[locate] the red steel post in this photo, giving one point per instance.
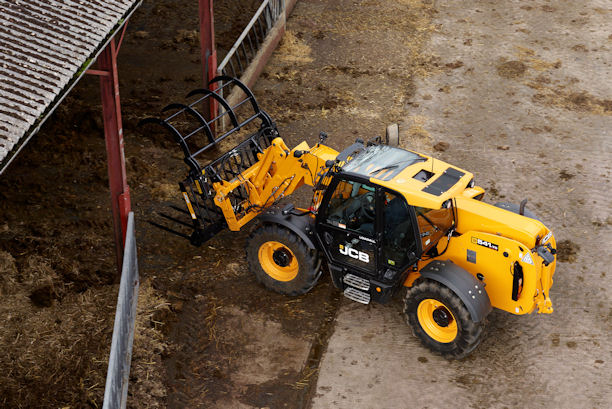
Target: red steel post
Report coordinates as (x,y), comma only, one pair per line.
(113,133)
(208,50)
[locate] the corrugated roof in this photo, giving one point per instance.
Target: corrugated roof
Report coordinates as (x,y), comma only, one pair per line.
(45,47)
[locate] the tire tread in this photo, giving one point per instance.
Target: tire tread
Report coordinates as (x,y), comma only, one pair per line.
(308,260)
(469,334)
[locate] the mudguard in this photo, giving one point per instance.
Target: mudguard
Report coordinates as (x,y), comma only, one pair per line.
(468,288)
(303,226)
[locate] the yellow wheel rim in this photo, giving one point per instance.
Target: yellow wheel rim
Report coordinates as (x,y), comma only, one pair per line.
(437,321)
(278,261)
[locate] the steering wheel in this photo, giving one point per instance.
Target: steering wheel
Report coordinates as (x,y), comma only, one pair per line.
(367,206)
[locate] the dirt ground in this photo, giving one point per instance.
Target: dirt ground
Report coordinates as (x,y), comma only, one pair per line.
(514,93)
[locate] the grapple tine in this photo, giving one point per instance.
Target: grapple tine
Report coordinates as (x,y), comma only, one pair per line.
(183,211)
(230,80)
(178,209)
(207,218)
(187,109)
(164,124)
(172,106)
(169,230)
(219,99)
(189,159)
(175,220)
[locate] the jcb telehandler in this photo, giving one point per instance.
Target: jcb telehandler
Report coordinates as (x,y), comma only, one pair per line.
(382,218)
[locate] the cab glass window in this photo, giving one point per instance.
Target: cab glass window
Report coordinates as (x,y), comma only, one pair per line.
(433,224)
(353,206)
(399,238)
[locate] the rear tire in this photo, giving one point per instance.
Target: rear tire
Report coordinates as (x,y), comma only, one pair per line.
(281,261)
(440,320)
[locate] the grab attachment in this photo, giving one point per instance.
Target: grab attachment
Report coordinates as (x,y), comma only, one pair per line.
(197,136)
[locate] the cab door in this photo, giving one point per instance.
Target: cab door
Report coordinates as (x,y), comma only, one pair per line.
(398,235)
(347,224)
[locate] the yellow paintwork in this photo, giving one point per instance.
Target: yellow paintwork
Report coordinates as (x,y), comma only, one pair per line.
(511,233)
(472,192)
(412,189)
(480,216)
(266,260)
(198,185)
(441,334)
(278,173)
(514,234)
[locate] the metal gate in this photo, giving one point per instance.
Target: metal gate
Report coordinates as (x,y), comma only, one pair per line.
(115,392)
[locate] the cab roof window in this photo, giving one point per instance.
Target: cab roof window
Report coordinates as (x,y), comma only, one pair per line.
(376,160)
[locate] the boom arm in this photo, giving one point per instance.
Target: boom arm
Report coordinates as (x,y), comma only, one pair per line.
(238,185)
(276,174)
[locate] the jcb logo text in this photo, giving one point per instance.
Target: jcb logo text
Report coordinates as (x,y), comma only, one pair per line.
(356,254)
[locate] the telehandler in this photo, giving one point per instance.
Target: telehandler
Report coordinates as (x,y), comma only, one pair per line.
(382,218)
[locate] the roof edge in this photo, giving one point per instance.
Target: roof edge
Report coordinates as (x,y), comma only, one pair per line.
(35,127)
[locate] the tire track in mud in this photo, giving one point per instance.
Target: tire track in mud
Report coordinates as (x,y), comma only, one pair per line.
(200,369)
(186,368)
(310,372)
(223,333)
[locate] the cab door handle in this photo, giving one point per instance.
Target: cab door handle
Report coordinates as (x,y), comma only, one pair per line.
(327,238)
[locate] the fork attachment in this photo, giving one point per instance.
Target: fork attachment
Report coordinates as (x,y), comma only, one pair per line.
(196,137)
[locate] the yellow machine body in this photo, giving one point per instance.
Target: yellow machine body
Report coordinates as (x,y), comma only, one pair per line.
(458,256)
(488,240)
(276,175)
(478,222)
(497,239)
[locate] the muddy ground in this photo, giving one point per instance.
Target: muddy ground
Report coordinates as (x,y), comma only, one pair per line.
(516,93)
(525,104)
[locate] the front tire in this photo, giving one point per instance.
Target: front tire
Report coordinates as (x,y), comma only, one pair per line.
(281,261)
(440,320)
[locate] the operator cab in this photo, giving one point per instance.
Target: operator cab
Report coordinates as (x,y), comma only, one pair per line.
(371,234)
